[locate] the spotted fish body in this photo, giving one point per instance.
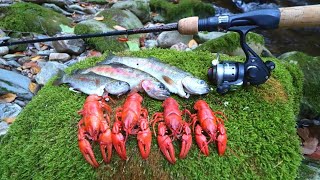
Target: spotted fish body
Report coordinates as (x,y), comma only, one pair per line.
(138,80)
(176,80)
(93,84)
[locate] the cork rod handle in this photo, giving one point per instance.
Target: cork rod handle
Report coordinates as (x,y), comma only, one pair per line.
(301,16)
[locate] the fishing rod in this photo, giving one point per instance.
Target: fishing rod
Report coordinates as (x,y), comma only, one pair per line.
(227,75)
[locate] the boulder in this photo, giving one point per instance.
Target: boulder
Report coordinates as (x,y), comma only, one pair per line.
(140,8)
(170,38)
(49,70)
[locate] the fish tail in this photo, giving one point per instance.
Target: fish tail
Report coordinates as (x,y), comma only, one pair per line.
(59,79)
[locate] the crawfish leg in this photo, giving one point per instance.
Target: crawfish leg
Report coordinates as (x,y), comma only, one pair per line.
(165,143)
(105,140)
(85,147)
(186,141)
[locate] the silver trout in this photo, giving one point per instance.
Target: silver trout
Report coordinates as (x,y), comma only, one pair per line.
(176,80)
(93,84)
(137,79)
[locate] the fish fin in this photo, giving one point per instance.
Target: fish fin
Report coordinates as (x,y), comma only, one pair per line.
(59,78)
(107,60)
(168,80)
(74,90)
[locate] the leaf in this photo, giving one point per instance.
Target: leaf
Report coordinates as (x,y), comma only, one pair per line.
(8,97)
(33,87)
(35,58)
(133,46)
(119,28)
(99,18)
(9,120)
(192,43)
(66,29)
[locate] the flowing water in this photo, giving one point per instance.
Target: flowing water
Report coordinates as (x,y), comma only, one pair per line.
(278,41)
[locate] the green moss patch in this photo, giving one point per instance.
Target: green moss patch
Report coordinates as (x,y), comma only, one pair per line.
(262,140)
(311,84)
(185,8)
(229,42)
(29,17)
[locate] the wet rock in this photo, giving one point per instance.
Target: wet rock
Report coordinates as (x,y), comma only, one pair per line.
(3,62)
(59,57)
(140,8)
(46,52)
(72,46)
(49,70)
(122,18)
(60,3)
(13,56)
(13,63)
(4,50)
(158,19)
(9,110)
(90,10)
(256,47)
(151,44)
(56,9)
(3,128)
(179,47)
(12,82)
(203,37)
(20,103)
(168,39)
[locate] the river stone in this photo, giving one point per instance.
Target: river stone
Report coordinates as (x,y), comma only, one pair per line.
(168,39)
(56,9)
(179,46)
(140,8)
(124,18)
(49,70)
(256,47)
(203,37)
(3,128)
(60,3)
(12,82)
(59,57)
(9,110)
(151,43)
(72,46)
(4,50)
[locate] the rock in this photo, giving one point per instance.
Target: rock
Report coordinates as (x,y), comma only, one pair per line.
(48,71)
(13,56)
(60,3)
(13,63)
(72,46)
(4,50)
(56,9)
(140,8)
(122,18)
(20,103)
(310,146)
(186,8)
(11,82)
(310,102)
(101,44)
(9,110)
(3,62)
(179,46)
(151,44)
(168,39)
(29,17)
(59,57)
(256,47)
(3,128)
(90,10)
(204,37)
(46,52)
(158,19)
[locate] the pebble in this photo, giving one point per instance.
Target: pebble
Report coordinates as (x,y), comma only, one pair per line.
(59,57)
(3,128)
(46,52)
(9,110)
(49,70)
(168,39)
(72,46)
(179,46)
(4,50)
(151,44)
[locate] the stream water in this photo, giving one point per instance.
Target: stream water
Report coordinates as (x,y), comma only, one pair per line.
(279,41)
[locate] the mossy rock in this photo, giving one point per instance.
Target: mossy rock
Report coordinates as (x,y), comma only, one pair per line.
(96,1)
(262,139)
(185,8)
(122,18)
(29,17)
(230,43)
(311,84)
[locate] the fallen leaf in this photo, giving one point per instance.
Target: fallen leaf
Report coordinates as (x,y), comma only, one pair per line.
(33,87)
(122,39)
(310,145)
(35,58)
(44,47)
(9,97)
(303,133)
(28,65)
(133,46)
(9,120)
(94,53)
(192,43)
(99,18)
(35,70)
(66,29)
(119,28)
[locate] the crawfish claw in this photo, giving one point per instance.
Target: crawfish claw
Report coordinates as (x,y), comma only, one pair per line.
(87,152)
(222,139)
(144,139)
(186,141)
(201,141)
(105,140)
(165,143)
(118,141)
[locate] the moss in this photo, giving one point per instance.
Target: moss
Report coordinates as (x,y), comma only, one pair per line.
(229,42)
(185,8)
(102,44)
(311,84)
(29,17)
(262,140)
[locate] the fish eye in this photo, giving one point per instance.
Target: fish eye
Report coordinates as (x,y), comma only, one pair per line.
(201,82)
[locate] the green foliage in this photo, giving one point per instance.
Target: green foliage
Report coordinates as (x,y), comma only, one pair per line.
(262,140)
(229,42)
(185,8)
(311,84)
(29,17)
